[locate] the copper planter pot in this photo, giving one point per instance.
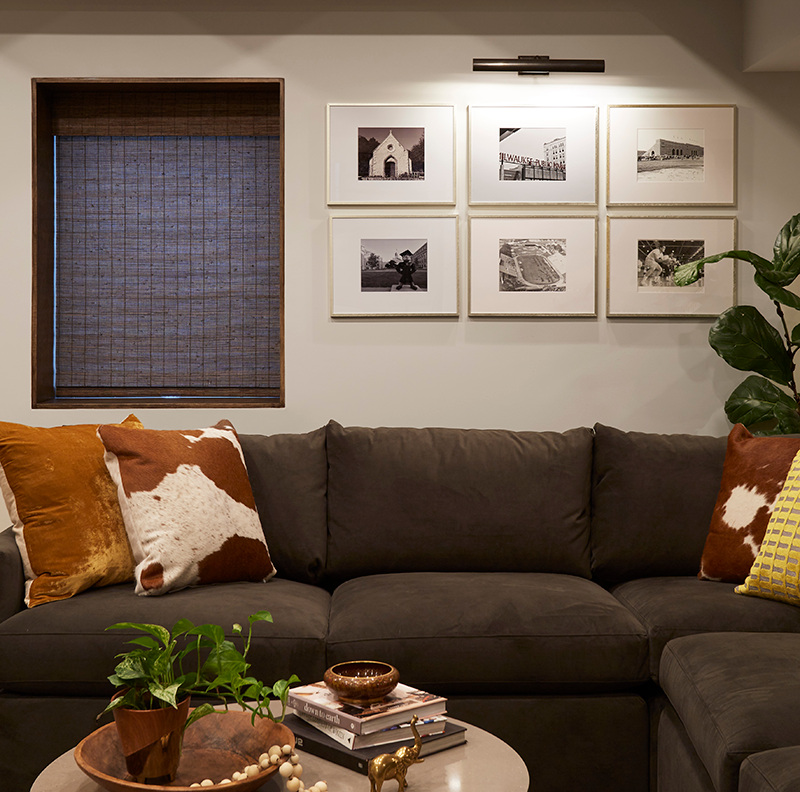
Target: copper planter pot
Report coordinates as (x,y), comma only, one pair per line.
(151,741)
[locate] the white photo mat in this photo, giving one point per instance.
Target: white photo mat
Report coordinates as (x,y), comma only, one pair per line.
(497,244)
(633,291)
(439,183)
(633,176)
(525,133)
(355,293)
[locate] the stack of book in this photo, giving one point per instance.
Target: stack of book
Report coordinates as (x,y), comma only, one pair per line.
(350,735)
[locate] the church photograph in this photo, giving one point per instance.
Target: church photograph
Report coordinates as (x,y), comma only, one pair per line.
(391,154)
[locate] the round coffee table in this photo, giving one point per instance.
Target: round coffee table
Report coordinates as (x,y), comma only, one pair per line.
(484,762)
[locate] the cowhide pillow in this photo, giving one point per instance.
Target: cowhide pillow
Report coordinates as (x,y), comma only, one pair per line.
(753,475)
(187,505)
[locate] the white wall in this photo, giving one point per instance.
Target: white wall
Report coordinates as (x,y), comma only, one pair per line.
(651,375)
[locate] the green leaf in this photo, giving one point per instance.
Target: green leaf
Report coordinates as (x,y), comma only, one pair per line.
(128,700)
(775,292)
(197,713)
(256,692)
(689,272)
(744,339)
(211,631)
(156,630)
(262,615)
(757,400)
(786,253)
(161,665)
(131,668)
(181,626)
(186,680)
(692,270)
(281,688)
(224,668)
(146,641)
(167,694)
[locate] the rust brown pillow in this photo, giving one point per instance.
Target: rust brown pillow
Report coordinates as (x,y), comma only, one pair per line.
(187,505)
(64,509)
(752,479)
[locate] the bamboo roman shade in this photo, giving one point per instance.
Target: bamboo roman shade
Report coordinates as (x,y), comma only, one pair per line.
(168,250)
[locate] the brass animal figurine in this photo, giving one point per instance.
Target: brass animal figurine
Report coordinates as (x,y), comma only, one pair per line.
(395,765)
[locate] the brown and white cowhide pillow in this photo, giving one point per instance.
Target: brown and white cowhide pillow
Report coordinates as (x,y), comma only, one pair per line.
(187,506)
(753,476)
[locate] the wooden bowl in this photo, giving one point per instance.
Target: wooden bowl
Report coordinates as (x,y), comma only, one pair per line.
(214,747)
(361,682)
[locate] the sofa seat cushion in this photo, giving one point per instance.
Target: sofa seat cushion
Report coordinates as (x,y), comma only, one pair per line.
(671,607)
(502,633)
(457,500)
(63,648)
(736,694)
(771,771)
(678,767)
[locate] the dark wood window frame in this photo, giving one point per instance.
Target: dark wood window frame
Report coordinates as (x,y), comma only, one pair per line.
(50,97)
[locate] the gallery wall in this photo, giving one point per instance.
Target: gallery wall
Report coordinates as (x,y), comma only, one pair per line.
(656,375)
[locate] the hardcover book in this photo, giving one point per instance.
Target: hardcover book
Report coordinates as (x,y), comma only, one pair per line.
(392,734)
(398,707)
(313,741)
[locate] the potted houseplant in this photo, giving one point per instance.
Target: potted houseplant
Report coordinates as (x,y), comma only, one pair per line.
(165,668)
(768,401)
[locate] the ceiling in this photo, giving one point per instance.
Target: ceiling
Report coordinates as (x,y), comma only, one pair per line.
(769,30)
(771,35)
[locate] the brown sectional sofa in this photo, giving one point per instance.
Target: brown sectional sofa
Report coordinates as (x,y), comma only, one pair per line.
(535,578)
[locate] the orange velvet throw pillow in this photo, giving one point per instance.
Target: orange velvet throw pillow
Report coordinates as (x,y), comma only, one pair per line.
(64,509)
(753,476)
(188,506)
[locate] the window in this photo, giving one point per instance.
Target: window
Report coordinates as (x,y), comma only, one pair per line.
(158,251)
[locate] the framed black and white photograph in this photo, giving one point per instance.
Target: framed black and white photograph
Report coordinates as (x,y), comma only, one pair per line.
(541,155)
(643,253)
(532,266)
(682,155)
(391,154)
(394,266)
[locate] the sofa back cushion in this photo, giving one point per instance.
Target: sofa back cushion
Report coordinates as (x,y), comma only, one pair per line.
(288,474)
(468,500)
(652,500)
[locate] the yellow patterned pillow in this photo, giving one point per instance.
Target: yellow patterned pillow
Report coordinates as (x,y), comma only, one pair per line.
(775,573)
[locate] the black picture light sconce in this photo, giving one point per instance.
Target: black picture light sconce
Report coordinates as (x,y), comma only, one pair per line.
(536,64)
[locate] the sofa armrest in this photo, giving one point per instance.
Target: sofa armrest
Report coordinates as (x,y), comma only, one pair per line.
(12,577)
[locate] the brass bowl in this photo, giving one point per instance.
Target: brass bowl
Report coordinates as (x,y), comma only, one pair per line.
(361,682)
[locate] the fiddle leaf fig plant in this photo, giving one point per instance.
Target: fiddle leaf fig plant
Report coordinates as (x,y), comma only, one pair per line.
(744,339)
(165,666)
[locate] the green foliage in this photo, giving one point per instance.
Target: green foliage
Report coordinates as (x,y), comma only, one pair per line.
(153,674)
(744,339)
